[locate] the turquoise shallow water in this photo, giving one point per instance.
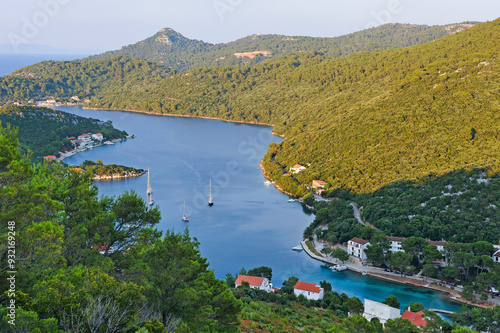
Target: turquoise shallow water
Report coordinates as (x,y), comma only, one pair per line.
(250,224)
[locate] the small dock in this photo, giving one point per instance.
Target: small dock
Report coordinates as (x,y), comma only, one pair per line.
(442,311)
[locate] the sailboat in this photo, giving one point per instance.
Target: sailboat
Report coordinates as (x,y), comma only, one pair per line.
(210,200)
(151,202)
(184,217)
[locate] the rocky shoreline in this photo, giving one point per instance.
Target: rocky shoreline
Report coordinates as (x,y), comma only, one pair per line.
(116,176)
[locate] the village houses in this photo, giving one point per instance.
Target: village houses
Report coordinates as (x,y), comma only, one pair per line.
(319,185)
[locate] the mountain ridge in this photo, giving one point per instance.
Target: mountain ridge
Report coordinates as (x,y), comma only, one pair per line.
(172,49)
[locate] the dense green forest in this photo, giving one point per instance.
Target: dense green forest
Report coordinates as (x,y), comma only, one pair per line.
(170,48)
(90,264)
(45,131)
(61,80)
(362,121)
(98,169)
(86,264)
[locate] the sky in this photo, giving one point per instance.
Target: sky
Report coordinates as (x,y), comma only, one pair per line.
(94,26)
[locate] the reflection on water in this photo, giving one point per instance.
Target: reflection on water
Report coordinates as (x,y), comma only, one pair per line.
(251,224)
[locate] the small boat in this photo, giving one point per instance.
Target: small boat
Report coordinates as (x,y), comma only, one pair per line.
(291,200)
(333,267)
(341,268)
(210,200)
(151,202)
(417,285)
(298,248)
(267,182)
(185,218)
(364,273)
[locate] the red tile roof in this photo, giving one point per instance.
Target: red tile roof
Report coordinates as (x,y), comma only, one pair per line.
(83,135)
(415,318)
(50,158)
(255,281)
(437,243)
(97,134)
(298,166)
(396,239)
(320,182)
(359,240)
(308,287)
(497,254)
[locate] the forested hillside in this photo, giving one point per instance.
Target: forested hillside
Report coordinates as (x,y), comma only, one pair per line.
(173,50)
(63,79)
(45,131)
(362,121)
(88,264)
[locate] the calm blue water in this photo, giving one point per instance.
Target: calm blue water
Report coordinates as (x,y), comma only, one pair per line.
(12,62)
(250,224)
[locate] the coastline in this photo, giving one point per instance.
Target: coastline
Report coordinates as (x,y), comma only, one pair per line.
(275,185)
(113,177)
(78,150)
(450,294)
(187,116)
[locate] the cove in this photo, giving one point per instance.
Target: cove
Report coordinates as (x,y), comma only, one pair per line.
(251,224)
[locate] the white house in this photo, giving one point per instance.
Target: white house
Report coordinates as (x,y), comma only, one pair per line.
(85,138)
(75,98)
(395,245)
(97,136)
(356,247)
(297,168)
(496,255)
(255,282)
(309,290)
(381,311)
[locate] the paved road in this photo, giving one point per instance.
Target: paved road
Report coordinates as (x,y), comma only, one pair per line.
(357,215)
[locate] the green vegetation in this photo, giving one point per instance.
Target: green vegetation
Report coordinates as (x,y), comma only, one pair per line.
(173,50)
(362,121)
(89,264)
(45,131)
(99,169)
(61,80)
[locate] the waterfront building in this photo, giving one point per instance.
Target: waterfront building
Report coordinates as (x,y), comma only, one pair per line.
(97,136)
(319,185)
(50,158)
(255,282)
(356,247)
(395,245)
(379,310)
(310,290)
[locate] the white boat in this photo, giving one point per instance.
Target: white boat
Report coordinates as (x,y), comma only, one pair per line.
(341,268)
(210,200)
(291,200)
(333,268)
(267,182)
(364,273)
(298,248)
(151,202)
(185,218)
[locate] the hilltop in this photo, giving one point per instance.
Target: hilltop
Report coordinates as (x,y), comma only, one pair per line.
(362,121)
(171,49)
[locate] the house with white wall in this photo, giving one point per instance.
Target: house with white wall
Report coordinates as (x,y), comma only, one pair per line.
(381,311)
(255,282)
(310,290)
(356,247)
(97,136)
(396,244)
(297,168)
(496,255)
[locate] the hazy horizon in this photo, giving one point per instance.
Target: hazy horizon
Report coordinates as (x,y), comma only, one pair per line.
(101,25)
